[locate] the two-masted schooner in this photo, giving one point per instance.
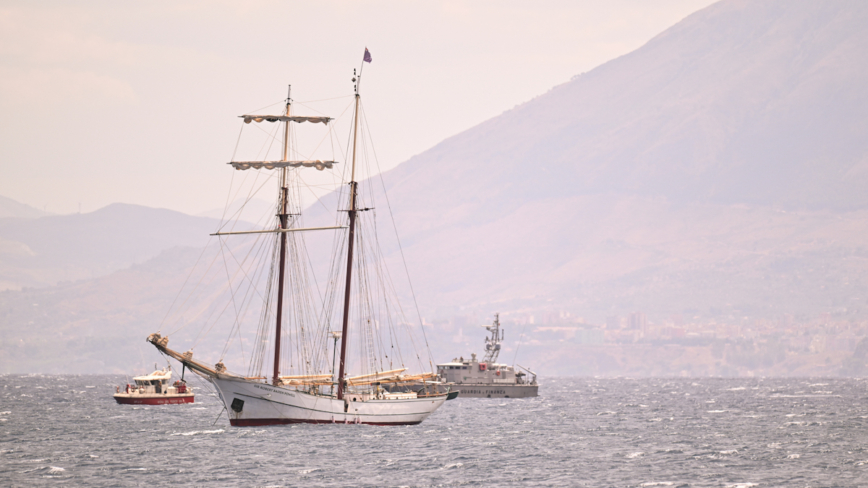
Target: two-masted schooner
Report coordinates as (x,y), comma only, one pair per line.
(316,393)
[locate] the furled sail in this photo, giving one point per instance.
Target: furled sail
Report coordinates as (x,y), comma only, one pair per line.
(320,165)
(286,118)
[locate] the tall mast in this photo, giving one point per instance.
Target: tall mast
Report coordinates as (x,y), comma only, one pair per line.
(282,236)
(352,234)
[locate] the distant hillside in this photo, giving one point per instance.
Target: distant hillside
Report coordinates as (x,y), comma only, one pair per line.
(253,210)
(732,142)
(9,208)
(718,171)
(99,325)
(46,250)
(742,102)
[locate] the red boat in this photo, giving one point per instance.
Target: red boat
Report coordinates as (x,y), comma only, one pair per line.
(154,389)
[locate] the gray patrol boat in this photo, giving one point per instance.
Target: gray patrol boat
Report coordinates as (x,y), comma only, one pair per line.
(487,378)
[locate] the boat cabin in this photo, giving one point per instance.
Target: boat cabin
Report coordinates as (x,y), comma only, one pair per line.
(158,382)
(472,371)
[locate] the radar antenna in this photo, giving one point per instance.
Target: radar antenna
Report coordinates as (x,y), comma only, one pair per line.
(492,344)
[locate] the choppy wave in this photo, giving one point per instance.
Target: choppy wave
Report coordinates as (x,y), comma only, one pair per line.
(200,432)
(604,432)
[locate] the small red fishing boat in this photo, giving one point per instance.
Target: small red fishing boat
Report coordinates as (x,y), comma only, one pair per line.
(155,389)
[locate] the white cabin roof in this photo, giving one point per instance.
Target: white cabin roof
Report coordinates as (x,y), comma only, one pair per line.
(156,375)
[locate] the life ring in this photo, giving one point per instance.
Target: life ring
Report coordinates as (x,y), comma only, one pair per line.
(483,366)
(498,373)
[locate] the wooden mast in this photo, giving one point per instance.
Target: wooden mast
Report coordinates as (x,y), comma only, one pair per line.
(284,193)
(352,234)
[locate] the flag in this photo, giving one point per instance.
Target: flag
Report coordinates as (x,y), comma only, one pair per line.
(367,57)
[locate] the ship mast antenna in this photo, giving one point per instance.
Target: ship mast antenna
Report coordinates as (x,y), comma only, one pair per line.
(282,215)
(352,234)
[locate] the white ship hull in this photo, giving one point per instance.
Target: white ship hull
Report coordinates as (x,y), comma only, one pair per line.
(270,405)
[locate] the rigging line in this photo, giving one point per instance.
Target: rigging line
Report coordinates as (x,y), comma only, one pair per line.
(200,335)
(236,216)
(263,329)
(270,140)
(330,128)
(519,344)
(308,107)
(241,265)
(238,315)
(248,298)
(324,99)
(232,296)
(229,198)
(250,195)
(193,291)
(229,194)
(395,227)
(162,322)
(267,106)
(387,287)
(237,142)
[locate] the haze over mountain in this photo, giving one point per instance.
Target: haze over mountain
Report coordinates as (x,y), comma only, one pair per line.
(742,102)
(9,208)
(687,157)
(717,171)
(43,251)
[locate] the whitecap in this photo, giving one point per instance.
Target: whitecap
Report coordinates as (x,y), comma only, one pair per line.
(55,470)
(8,412)
(741,485)
(454,465)
(740,388)
(197,432)
(634,455)
(308,471)
(136,469)
(794,456)
(657,483)
(729,452)
(715,411)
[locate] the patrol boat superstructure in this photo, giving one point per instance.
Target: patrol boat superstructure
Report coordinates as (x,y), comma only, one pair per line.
(488,378)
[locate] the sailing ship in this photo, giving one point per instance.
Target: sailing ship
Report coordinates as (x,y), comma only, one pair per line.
(317,391)
(488,378)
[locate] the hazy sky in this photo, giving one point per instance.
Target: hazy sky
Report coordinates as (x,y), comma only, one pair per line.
(136,102)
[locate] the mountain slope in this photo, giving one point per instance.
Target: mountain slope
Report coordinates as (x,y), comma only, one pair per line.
(46,250)
(756,102)
(742,103)
(9,208)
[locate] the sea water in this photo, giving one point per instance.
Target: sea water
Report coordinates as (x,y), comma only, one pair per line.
(68,431)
